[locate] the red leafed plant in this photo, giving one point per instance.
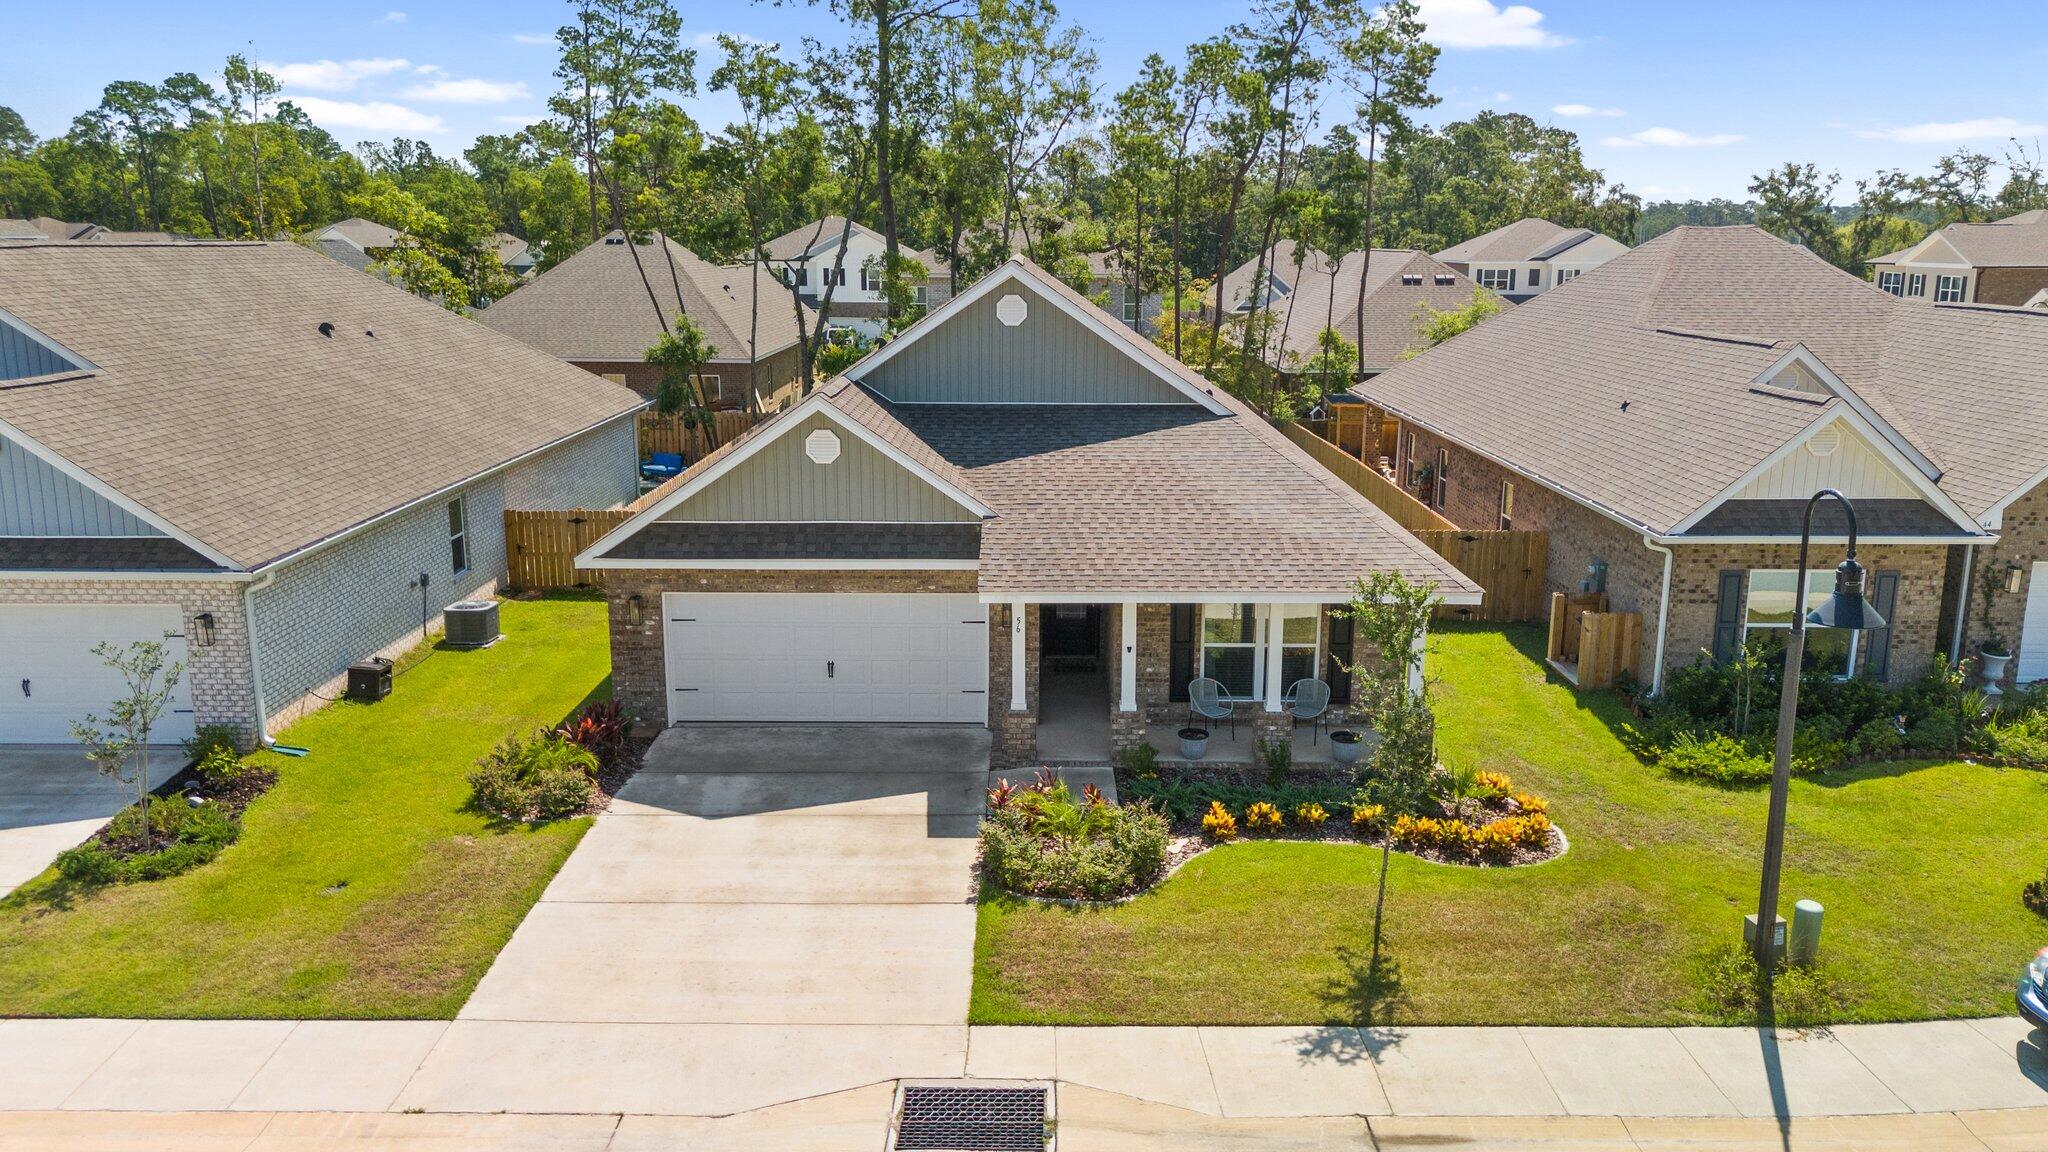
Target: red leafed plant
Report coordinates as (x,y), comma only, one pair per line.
(1000,796)
(602,728)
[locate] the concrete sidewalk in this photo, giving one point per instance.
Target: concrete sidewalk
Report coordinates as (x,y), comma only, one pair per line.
(485,1066)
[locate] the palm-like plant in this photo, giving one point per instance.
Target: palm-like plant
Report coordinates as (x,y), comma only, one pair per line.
(1055,814)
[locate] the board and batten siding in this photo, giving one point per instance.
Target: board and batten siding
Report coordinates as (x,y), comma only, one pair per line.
(1050,358)
(22,355)
(38,500)
(781,483)
(1853,467)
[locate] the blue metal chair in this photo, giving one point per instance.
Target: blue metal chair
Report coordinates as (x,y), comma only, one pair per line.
(1311,701)
(1205,699)
(662,465)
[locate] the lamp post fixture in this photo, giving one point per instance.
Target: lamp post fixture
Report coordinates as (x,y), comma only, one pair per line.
(1845,609)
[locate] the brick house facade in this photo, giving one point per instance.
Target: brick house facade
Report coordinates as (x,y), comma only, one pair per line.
(773,372)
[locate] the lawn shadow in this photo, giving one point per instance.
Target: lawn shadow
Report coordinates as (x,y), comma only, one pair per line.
(1366,990)
(598,694)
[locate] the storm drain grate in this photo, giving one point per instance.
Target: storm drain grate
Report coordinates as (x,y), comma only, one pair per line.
(972,1119)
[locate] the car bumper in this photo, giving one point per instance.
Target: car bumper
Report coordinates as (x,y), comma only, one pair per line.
(2033,1004)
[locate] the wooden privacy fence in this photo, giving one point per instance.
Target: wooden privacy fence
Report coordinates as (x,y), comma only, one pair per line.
(1406,510)
(670,434)
(541,547)
(1590,646)
(1511,566)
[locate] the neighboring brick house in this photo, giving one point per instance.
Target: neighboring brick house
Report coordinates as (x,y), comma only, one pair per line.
(1999,262)
(1530,257)
(1305,294)
(1015,483)
(594,310)
(1665,420)
(259,453)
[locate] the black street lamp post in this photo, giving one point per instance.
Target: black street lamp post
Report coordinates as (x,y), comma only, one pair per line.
(1845,609)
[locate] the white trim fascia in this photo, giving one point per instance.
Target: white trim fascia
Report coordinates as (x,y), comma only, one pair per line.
(48,343)
(1342,596)
(442,492)
(117,576)
(813,404)
(1878,424)
(798,565)
(111,494)
(1013,271)
(1823,538)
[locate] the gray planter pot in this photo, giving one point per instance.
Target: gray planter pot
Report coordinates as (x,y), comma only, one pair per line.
(1194,743)
(1345,746)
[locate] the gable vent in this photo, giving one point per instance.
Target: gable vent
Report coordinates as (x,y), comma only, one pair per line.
(822,446)
(1011,310)
(1824,442)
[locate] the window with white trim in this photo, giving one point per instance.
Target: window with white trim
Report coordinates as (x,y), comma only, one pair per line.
(1444,279)
(458,536)
(799,276)
(921,296)
(711,385)
(1767,618)
(1948,289)
(832,278)
(1132,302)
(870,280)
(1916,284)
(1498,279)
(1564,274)
(1892,282)
(1441,491)
(1234,639)
(1507,505)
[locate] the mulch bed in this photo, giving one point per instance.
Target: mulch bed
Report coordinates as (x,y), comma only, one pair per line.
(615,770)
(232,798)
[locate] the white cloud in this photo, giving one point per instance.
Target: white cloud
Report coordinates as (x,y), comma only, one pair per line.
(1671,138)
(369,115)
(395,17)
(1503,97)
(1956,131)
(468,91)
(1482,24)
(521,121)
(710,39)
(334,76)
(532,38)
(1577,110)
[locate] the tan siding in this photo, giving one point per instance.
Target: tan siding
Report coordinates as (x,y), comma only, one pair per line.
(1854,468)
(781,483)
(1050,358)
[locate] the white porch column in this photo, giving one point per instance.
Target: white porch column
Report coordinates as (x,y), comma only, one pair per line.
(1415,671)
(1128,665)
(1018,672)
(1274,629)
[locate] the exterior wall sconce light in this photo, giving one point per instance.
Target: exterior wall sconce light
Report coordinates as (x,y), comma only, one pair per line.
(2012,577)
(636,609)
(202,630)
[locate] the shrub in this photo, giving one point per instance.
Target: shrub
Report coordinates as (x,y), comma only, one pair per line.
(2020,740)
(1052,812)
(1310,815)
(2035,895)
(1453,838)
(1719,759)
(186,838)
(1880,737)
(1531,832)
(88,864)
(1187,801)
(602,728)
(543,778)
(1493,785)
(1530,804)
(220,767)
(1278,757)
(1141,760)
(1262,817)
(1122,853)
(210,738)
(1219,823)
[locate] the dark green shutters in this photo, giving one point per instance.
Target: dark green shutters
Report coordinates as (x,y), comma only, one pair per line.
(1335,671)
(1728,616)
(1877,643)
(1180,665)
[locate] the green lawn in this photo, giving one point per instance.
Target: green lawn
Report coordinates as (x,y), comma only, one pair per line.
(361,887)
(1919,867)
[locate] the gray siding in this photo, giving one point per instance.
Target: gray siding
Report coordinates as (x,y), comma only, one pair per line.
(599,470)
(1051,358)
(781,483)
(21,357)
(38,500)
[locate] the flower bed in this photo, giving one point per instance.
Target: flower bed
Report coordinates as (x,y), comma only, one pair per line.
(190,819)
(571,770)
(1040,840)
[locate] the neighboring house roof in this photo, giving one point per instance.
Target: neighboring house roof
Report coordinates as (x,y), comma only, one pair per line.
(821,235)
(56,229)
(1190,499)
(594,305)
(1399,284)
(341,250)
(1529,238)
(2019,241)
(20,230)
(211,401)
(1644,388)
(363,234)
(50,228)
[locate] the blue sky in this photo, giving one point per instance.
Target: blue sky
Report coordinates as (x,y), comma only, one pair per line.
(1673,100)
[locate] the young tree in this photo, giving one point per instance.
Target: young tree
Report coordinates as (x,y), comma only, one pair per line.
(118,745)
(1033,78)
(765,86)
(1138,145)
(679,354)
(1436,325)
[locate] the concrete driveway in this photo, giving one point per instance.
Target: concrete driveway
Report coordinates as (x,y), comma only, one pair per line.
(772,875)
(51,798)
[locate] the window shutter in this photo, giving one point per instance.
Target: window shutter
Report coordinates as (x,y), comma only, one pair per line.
(1728,616)
(1877,645)
(1180,664)
(1335,673)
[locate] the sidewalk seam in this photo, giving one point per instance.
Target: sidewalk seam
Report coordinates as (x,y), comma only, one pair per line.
(1734,1109)
(1563,1109)
(272,1055)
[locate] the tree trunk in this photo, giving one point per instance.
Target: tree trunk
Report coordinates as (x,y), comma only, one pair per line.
(1372,144)
(1223,253)
(885,99)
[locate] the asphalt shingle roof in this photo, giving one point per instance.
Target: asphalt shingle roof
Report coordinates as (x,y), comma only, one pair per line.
(218,405)
(1393,304)
(1530,238)
(2015,242)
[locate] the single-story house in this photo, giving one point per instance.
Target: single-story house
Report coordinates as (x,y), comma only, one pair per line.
(283,465)
(808,259)
(1307,292)
(1996,262)
(593,310)
(51,228)
(1530,256)
(356,242)
(1016,512)
(1665,417)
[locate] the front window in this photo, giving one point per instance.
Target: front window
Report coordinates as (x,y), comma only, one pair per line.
(1233,639)
(458,536)
(1892,282)
(1948,289)
(1916,284)
(1767,621)
(1498,279)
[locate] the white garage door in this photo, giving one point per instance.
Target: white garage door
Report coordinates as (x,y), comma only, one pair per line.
(2034,628)
(49,676)
(839,658)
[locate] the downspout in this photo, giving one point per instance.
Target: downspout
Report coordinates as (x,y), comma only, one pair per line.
(1663,615)
(255,660)
(1955,644)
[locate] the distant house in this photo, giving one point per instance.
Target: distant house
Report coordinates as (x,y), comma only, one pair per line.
(51,228)
(2003,262)
(1530,256)
(356,242)
(515,254)
(807,257)
(280,465)
(1109,279)
(1308,296)
(593,310)
(1665,420)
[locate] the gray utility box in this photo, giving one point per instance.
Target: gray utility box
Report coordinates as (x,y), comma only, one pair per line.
(472,623)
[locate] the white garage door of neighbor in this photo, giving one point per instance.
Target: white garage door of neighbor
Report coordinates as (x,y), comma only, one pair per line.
(2034,627)
(838,657)
(49,676)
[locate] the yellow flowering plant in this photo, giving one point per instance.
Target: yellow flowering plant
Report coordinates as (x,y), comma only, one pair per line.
(1263,816)
(1219,823)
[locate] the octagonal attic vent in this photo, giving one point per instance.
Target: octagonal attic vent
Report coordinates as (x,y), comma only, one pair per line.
(822,446)
(1011,310)
(1824,442)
